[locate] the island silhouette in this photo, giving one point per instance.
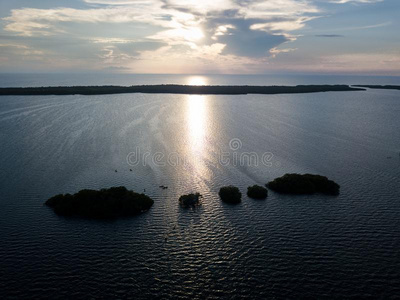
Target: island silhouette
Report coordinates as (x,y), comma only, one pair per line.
(175,89)
(306,184)
(230,194)
(118,202)
(109,203)
(381,87)
(190,200)
(257,192)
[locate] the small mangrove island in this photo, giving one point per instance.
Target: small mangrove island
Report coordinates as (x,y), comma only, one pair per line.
(306,184)
(190,200)
(175,89)
(230,194)
(109,203)
(257,192)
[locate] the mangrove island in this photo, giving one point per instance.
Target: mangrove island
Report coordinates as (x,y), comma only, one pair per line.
(174,89)
(306,184)
(230,194)
(109,203)
(257,192)
(190,200)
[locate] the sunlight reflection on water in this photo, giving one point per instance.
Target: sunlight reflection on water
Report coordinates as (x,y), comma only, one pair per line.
(196,122)
(197,130)
(197,115)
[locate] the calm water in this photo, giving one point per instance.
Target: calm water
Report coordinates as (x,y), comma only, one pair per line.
(32,80)
(286,246)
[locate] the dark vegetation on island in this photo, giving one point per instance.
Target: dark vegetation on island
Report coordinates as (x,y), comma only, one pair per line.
(304,184)
(257,192)
(190,200)
(109,203)
(382,87)
(230,194)
(119,202)
(175,89)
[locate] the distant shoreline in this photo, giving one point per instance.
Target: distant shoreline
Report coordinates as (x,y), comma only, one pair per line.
(176,89)
(381,87)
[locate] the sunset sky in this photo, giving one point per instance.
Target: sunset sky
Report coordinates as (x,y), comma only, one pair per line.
(201,37)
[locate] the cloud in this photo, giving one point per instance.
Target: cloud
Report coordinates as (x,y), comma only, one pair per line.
(355,1)
(362,27)
(241,40)
(26,53)
(32,21)
(116,2)
(13,46)
(116,69)
(287,50)
(196,7)
(178,21)
(329,35)
(361,62)
(170,33)
(274,51)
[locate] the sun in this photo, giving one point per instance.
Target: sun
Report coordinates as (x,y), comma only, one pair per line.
(193,34)
(196,80)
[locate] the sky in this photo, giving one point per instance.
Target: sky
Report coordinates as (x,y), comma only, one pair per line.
(201,37)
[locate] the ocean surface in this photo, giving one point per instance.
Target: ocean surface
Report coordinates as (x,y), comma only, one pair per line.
(314,247)
(35,80)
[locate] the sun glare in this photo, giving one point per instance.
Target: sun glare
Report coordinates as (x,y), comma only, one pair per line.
(197,80)
(193,34)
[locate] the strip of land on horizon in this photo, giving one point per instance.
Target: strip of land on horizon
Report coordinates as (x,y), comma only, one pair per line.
(175,89)
(381,87)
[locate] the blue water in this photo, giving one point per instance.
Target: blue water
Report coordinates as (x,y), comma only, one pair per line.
(283,247)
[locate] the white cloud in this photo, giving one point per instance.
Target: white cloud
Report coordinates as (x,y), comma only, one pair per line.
(200,7)
(275,51)
(173,14)
(273,8)
(282,26)
(116,2)
(188,23)
(112,41)
(32,21)
(355,1)
(13,46)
